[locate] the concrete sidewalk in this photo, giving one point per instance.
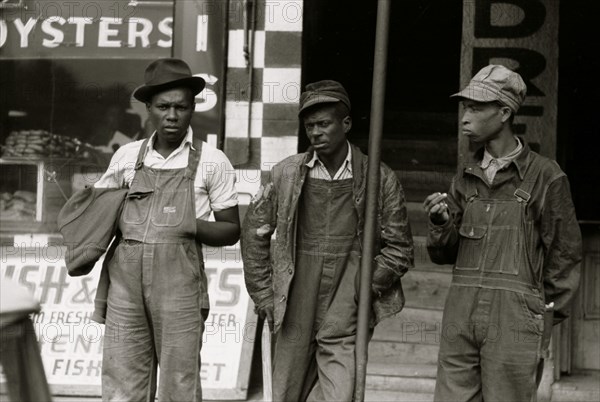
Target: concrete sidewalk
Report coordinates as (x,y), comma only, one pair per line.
(371,396)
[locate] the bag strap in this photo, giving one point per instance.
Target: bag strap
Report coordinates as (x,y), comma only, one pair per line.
(141,155)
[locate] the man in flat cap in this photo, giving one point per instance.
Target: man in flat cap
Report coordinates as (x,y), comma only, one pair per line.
(306,285)
(157,298)
(508,225)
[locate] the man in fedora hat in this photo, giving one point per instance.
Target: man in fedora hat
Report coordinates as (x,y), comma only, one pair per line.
(157,299)
(307,288)
(508,225)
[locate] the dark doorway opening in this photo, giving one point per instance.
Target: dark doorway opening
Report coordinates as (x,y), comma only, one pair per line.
(420,126)
(578,141)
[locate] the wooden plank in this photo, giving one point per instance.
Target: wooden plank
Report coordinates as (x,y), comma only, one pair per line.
(418,184)
(411,325)
(403,370)
(433,154)
(417,218)
(422,260)
(426,289)
(396,396)
(581,386)
(397,353)
(406,384)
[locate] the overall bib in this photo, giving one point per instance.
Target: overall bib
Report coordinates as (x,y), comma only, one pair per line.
(158,290)
(494,314)
(314,353)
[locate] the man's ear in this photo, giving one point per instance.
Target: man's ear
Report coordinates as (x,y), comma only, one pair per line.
(506,113)
(148,106)
(347,123)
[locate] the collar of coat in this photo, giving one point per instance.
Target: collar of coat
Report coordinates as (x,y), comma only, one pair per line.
(521,161)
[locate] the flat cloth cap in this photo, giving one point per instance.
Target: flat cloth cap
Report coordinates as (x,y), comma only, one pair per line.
(326,91)
(496,83)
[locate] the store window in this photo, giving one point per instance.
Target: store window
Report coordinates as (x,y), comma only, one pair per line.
(67,72)
(69,68)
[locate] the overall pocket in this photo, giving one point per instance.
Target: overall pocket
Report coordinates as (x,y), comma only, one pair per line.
(503,251)
(470,248)
(137,206)
(170,207)
(533,310)
(190,260)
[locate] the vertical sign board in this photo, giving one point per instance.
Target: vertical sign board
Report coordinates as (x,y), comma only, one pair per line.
(199,39)
(71,344)
(523,36)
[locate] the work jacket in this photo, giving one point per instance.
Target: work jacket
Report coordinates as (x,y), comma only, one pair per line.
(269,270)
(551,231)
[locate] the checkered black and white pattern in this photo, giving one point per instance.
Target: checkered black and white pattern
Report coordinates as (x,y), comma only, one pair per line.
(275,90)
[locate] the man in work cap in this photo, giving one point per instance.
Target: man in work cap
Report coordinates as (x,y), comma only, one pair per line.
(309,292)
(326,91)
(508,226)
(496,83)
(157,298)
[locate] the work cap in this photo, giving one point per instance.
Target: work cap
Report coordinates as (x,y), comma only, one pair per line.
(164,74)
(496,83)
(326,91)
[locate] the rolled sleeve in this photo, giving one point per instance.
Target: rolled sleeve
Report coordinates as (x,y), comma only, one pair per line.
(215,183)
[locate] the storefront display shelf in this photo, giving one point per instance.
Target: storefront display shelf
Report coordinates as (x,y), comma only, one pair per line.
(32,192)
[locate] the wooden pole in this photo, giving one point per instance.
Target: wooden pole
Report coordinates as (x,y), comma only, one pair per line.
(267,367)
(375,134)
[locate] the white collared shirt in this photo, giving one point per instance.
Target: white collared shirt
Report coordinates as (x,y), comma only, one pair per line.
(214,184)
(317,169)
(491,165)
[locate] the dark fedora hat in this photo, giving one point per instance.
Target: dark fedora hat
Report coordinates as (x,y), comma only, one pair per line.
(164,74)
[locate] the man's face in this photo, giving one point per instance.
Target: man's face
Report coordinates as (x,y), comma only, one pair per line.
(170,113)
(482,121)
(326,130)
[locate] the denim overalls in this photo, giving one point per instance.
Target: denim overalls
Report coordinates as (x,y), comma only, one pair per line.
(494,313)
(314,353)
(158,290)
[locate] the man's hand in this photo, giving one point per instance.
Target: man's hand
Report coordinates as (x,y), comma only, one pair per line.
(383,279)
(436,207)
(266,312)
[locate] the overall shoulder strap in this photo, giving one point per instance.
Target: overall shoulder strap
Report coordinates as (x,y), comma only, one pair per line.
(141,155)
(471,188)
(523,192)
(194,159)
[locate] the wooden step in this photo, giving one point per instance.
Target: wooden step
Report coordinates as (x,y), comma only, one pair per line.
(382,352)
(417,218)
(422,260)
(411,325)
(396,396)
(418,184)
(580,386)
(371,395)
(403,370)
(432,154)
(411,378)
(426,289)
(405,384)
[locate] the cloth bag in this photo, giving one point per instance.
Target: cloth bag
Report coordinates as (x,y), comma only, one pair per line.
(88,223)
